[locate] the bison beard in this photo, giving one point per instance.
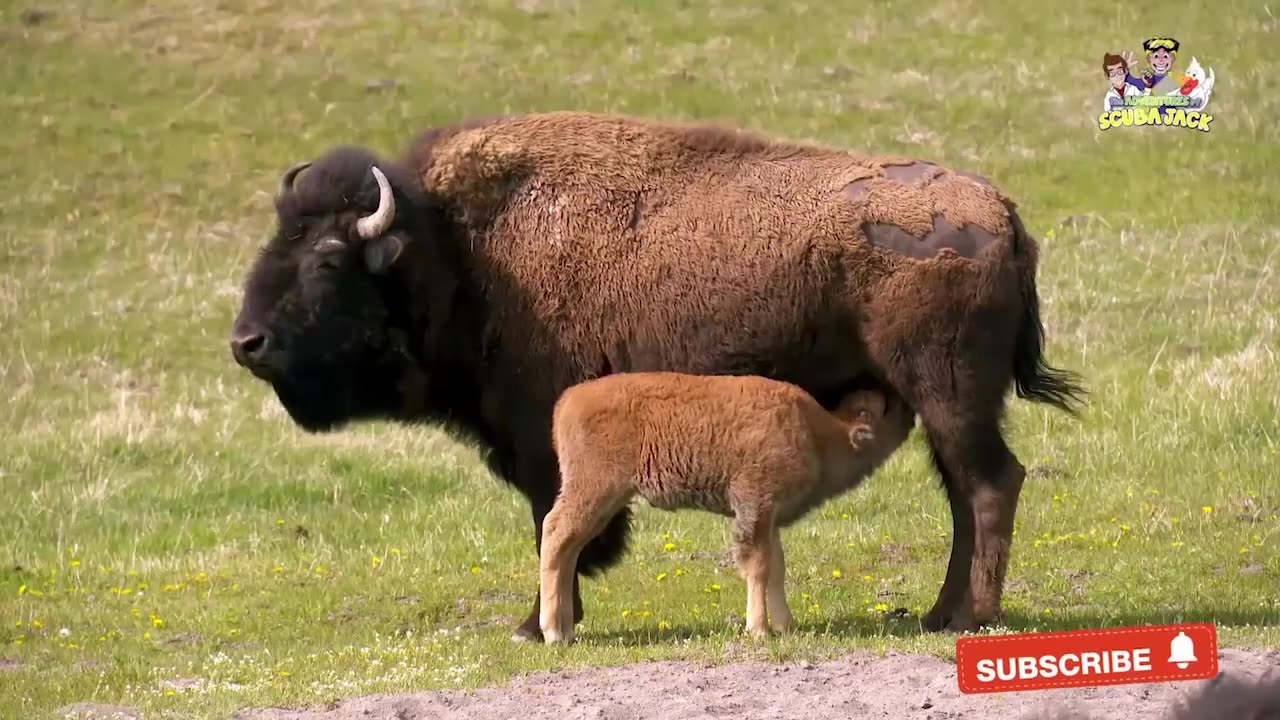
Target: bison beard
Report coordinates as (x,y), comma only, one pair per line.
(547,249)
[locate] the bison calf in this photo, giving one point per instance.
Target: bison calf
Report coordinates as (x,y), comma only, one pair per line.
(760,451)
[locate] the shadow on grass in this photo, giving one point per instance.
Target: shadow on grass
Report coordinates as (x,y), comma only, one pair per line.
(854,627)
(908,626)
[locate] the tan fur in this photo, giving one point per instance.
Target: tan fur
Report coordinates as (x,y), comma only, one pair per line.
(761,451)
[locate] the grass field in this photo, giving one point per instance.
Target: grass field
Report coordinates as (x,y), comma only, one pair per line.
(169,540)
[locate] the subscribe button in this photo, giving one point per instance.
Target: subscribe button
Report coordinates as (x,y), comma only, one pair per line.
(1080,658)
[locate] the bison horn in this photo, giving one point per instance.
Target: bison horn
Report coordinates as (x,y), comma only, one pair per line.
(371,226)
(286,180)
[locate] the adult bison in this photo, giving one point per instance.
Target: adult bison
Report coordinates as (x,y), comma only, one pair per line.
(500,261)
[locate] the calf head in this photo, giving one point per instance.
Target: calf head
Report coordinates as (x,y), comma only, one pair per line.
(875,414)
(319,320)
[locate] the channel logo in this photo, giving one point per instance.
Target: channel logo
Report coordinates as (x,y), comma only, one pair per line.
(1084,658)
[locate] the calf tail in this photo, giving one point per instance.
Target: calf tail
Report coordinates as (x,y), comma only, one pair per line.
(1035,379)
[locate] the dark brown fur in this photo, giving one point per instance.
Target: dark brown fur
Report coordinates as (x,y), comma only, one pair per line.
(760,451)
(543,250)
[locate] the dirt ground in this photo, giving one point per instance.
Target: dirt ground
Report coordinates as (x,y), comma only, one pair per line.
(859,686)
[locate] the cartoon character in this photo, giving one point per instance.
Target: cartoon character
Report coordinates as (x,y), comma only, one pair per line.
(1196,84)
(1161,54)
(1116,68)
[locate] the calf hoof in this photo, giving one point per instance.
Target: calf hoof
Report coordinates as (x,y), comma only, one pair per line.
(552,636)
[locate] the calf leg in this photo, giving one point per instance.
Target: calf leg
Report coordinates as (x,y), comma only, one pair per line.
(529,630)
(563,535)
(779,612)
(602,552)
(582,512)
(752,533)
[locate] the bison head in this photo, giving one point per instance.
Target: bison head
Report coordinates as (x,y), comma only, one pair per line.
(318,319)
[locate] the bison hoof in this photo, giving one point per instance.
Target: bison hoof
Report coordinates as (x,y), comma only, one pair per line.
(524,636)
(940,621)
(935,620)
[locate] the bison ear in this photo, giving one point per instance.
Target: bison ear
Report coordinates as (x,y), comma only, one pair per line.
(382,252)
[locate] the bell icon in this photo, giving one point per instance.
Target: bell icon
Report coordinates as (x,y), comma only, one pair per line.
(1182,650)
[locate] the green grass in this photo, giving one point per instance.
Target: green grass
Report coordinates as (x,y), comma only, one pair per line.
(202,554)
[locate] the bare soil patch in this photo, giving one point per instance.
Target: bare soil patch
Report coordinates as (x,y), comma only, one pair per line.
(862,685)
(96,711)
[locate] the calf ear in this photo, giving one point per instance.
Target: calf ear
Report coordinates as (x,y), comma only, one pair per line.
(382,252)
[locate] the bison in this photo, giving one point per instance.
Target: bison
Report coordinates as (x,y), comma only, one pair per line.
(502,260)
(762,452)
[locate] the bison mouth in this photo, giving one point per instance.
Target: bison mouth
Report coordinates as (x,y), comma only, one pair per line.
(317,409)
(321,402)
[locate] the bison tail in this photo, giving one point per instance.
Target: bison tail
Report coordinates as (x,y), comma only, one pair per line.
(1034,379)
(607,548)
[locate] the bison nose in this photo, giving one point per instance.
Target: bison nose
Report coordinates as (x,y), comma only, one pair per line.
(249,347)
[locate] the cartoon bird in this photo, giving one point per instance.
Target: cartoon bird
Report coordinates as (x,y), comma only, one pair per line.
(1197,84)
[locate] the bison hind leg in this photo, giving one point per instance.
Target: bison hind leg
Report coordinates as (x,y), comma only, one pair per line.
(983,480)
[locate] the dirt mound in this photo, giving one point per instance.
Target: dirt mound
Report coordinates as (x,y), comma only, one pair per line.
(860,686)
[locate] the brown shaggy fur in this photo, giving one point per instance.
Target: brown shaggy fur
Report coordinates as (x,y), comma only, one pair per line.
(589,213)
(598,237)
(543,250)
(760,451)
